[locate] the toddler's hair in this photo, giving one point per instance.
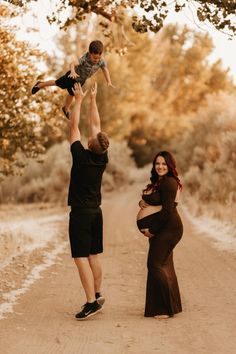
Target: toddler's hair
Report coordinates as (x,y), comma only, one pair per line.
(96,47)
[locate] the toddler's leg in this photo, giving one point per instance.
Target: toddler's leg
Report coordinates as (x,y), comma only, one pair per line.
(66,107)
(68,102)
(42,84)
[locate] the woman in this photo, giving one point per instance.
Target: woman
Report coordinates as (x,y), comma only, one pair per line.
(159,220)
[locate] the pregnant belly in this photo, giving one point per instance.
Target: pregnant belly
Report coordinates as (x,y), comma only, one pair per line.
(151,209)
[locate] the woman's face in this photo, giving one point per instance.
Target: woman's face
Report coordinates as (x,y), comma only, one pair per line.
(161,166)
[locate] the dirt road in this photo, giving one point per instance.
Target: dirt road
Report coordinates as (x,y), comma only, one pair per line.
(43,319)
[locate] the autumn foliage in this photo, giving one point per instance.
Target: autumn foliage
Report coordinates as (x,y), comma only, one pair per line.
(24,120)
(168,96)
(208,161)
(153,13)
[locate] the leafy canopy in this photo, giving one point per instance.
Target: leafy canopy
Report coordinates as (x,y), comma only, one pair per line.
(220,13)
(25,120)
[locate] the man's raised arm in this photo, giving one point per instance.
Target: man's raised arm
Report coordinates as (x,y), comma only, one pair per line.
(75,114)
(94,118)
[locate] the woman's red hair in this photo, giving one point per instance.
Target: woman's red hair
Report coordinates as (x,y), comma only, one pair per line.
(172,171)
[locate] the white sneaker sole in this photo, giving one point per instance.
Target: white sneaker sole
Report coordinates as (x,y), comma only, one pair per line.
(90,315)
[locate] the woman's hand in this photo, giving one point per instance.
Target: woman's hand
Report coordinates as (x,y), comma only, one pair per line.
(142,204)
(146,233)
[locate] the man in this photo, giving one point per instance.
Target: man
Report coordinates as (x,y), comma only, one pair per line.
(85,225)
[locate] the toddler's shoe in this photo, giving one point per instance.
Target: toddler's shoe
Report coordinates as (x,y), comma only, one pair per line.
(66,113)
(35,89)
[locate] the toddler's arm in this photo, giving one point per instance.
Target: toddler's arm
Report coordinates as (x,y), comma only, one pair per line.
(107,76)
(73,74)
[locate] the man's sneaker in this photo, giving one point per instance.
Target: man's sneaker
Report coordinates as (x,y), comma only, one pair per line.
(35,88)
(100,299)
(89,310)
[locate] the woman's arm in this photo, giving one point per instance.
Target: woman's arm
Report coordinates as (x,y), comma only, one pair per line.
(151,198)
(168,190)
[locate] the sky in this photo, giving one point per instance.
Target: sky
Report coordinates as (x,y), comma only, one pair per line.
(224,47)
(44,38)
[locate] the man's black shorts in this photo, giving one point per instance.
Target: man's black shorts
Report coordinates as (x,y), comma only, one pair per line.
(85,231)
(66,82)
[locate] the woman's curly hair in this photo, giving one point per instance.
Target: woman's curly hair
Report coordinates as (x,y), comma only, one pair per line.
(172,172)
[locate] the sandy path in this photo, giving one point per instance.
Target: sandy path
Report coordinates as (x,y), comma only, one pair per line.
(43,322)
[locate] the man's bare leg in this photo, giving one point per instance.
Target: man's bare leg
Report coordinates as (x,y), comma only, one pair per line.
(96,268)
(86,277)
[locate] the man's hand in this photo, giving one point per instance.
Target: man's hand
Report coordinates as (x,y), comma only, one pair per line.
(146,233)
(93,91)
(78,92)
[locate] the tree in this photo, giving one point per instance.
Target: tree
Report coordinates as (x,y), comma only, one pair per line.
(220,13)
(180,80)
(161,82)
(24,118)
(18,134)
(209,160)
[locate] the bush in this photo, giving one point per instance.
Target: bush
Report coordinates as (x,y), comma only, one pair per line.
(48,181)
(209,160)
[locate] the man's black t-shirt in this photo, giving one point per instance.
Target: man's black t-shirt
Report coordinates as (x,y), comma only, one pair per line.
(86,177)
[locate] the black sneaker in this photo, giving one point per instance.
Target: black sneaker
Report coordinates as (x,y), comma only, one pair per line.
(100,299)
(35,88)
(89,310)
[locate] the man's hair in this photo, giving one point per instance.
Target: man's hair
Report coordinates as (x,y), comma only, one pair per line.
(100,144)
(103,140)
(96,47)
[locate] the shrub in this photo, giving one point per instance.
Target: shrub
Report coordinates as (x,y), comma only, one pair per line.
(209,159)
(48,181)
